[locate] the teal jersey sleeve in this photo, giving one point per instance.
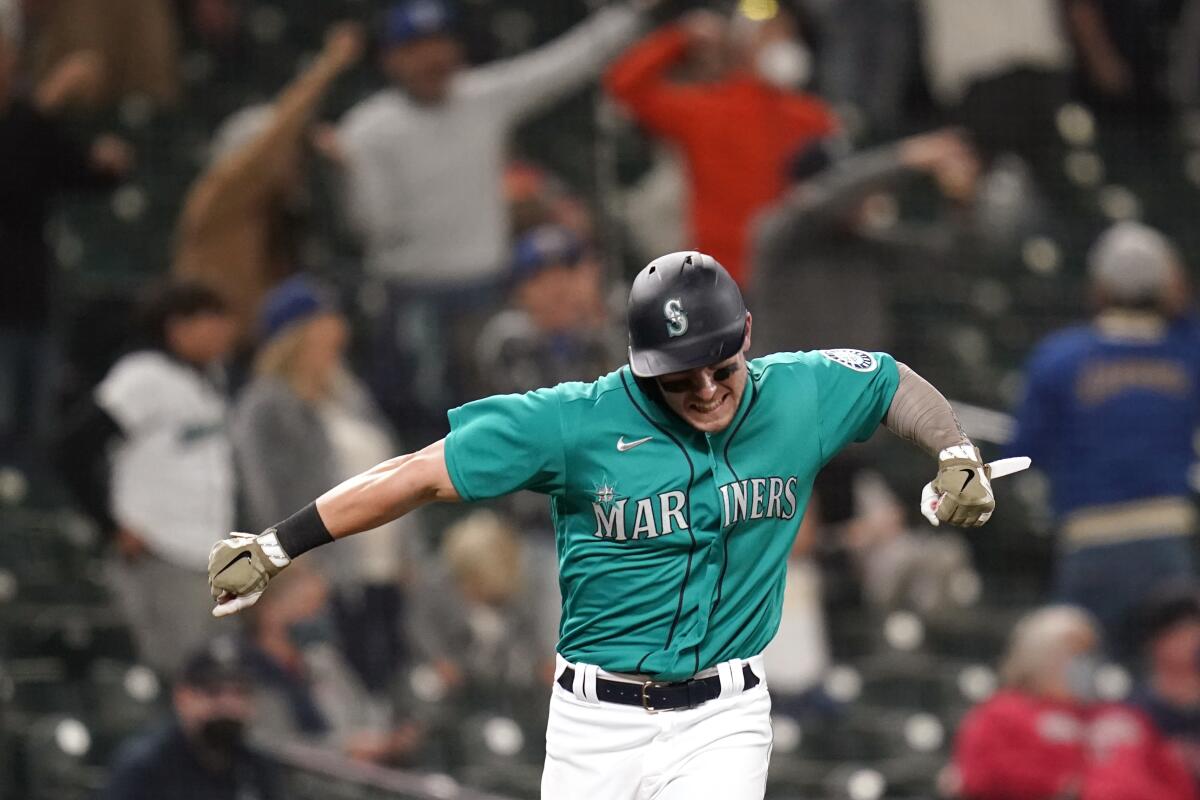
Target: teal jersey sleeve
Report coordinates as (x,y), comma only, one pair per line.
(505,443)
(854,392)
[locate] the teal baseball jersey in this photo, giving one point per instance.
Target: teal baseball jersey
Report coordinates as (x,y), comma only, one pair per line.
(672,543)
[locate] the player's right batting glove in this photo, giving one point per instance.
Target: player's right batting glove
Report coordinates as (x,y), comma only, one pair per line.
(961,494)
(240,567)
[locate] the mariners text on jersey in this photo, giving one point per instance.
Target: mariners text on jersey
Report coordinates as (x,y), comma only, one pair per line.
(753,498)
(672,543)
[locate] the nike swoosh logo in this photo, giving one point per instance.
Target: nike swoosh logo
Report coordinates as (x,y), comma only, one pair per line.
(244,554)
(970,477)
(623,445)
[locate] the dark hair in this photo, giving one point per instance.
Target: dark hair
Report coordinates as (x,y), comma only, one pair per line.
(175,300)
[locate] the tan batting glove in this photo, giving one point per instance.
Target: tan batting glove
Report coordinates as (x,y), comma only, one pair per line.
(240,567)
(961,494)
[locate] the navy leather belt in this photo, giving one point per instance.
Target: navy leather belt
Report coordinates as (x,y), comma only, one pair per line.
(657,696)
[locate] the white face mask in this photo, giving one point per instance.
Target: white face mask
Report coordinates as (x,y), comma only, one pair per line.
(1081,676)
(784,64)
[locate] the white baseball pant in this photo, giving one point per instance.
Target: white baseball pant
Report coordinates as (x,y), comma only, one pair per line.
(606,751)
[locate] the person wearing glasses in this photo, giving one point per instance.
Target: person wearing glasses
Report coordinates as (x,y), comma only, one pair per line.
(676,483)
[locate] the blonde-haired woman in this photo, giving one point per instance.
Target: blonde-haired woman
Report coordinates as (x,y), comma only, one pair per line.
(1043,736)
(303,424)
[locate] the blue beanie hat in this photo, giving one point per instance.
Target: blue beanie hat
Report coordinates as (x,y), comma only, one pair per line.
(295,300)
(542,247)
(416,19)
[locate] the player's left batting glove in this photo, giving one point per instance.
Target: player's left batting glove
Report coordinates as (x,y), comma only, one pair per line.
(961,494)
(240,567)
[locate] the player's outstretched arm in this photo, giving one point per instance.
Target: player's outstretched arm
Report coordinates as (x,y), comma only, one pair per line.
(240,566)
(387,491)
(961,494)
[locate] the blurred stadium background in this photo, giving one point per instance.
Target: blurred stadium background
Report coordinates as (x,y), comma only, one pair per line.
(903,663)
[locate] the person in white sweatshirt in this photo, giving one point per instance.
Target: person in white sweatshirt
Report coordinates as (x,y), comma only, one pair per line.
(424,161)
(148,457)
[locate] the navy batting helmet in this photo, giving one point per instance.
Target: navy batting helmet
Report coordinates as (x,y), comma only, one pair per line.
(685,311)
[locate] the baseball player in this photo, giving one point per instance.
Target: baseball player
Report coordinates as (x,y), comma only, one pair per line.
(676,484)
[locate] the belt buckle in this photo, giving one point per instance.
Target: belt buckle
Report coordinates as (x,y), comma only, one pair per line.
(646,687)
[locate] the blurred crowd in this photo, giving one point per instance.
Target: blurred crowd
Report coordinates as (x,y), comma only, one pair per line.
(839,157)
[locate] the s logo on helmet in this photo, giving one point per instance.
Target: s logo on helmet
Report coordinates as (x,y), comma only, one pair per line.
(677,322)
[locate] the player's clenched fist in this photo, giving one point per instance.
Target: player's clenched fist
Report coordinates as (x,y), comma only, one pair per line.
(240,567)
(961,494)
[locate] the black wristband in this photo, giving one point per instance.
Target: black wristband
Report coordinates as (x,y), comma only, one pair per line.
(302,531)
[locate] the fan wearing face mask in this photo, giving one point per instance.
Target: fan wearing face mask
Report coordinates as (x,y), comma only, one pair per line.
(201,754)
(737,121)
(1046,736)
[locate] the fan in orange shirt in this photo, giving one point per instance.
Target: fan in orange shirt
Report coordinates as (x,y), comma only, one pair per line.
(738,130)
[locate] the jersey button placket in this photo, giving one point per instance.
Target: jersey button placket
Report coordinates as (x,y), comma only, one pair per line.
(712,543)
(694,624)
(717,548)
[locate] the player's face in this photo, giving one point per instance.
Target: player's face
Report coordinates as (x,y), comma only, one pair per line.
(707,397)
